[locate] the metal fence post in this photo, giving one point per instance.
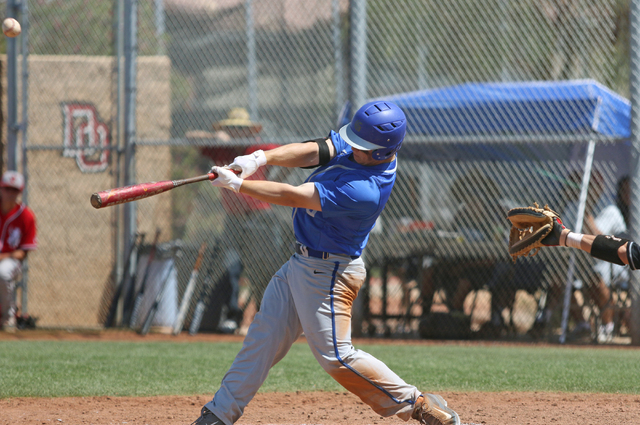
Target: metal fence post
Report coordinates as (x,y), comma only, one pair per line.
(358,45)
(252,71)
(160,26)
(130,91)
(357,97)
(635,166)
(337,57)
(13,7)
(117,139)
(24,126)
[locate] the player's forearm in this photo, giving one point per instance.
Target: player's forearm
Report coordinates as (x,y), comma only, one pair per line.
(293,155)
(303,196)
(585,243)
(18,254)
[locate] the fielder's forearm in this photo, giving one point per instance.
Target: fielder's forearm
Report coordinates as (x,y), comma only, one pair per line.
(585,243)
(303,196)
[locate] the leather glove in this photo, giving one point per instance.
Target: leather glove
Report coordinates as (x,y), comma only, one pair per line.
(533,228)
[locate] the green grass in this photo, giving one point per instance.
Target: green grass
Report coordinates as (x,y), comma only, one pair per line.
(65,368)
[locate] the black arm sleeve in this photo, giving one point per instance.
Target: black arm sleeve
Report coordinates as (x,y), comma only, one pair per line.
(323,152)
(605,247)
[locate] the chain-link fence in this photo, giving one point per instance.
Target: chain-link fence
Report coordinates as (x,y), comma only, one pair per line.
(219,79)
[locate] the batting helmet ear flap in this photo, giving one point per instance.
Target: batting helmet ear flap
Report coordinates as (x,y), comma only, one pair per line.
(380,154)
(378,126)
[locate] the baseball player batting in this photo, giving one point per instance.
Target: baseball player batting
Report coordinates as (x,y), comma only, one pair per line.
(313,292)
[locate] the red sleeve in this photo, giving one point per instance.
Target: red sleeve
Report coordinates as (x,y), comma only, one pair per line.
(29,239)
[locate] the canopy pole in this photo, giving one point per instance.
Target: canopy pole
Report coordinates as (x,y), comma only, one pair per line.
(584,189)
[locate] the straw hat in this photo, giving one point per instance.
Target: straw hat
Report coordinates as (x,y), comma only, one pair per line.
(238,119)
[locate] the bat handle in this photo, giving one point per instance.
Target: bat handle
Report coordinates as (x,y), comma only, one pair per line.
(194,327)
(147,324)
(135,312)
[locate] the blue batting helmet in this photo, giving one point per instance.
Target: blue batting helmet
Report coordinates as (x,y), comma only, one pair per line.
(378,126)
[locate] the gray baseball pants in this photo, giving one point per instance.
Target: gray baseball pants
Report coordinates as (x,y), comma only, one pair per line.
(313,296)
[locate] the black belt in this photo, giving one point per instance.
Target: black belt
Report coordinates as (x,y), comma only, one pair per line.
(305,251)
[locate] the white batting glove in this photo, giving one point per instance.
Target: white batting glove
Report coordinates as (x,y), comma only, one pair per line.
(249,164)
(226,178)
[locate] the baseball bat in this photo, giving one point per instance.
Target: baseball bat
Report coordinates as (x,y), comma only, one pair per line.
(129,290)
(138,240)
(194,326)
(121,195)
(135,312)
(156,303)
(188,293)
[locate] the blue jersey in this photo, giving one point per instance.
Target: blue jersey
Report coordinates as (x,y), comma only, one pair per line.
(352,197)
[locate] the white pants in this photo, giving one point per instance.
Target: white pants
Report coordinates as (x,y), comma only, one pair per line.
(313,296)
(10,271)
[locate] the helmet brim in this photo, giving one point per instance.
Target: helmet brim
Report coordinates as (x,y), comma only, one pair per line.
(356,141)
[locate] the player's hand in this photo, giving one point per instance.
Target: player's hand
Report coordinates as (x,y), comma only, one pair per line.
(249,164)
(226,178)
(553,238)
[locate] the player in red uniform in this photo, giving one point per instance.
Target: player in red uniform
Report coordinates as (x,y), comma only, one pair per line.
(17,238)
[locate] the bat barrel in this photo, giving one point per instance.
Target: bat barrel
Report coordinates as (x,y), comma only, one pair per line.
(134,192)
(122,195)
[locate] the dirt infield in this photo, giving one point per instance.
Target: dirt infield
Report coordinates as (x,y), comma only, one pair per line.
(340,408)
(327,408)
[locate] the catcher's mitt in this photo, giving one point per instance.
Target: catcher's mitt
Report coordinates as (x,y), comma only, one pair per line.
(529,226)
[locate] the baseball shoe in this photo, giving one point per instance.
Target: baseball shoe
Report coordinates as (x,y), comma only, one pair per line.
(207,418)
(431,409)
(228,326)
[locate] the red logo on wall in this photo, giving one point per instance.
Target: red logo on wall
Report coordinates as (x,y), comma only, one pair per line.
(85,137)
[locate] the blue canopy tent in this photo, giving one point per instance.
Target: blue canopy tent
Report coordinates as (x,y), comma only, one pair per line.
(469,120)
(580,107)
(473,121)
